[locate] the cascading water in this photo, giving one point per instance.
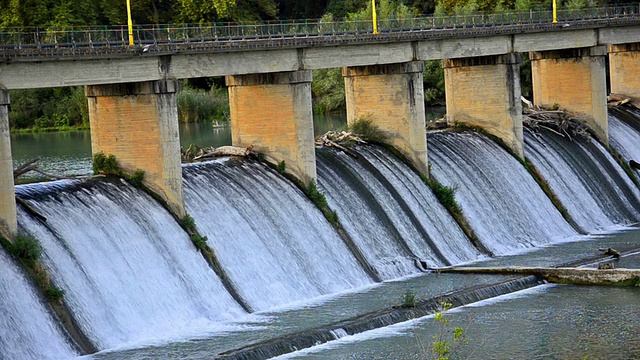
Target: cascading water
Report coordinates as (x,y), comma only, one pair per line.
(624,133)
(503,204)
(586,179)
(27,330)
(275,245)
(388,211)
(129,272)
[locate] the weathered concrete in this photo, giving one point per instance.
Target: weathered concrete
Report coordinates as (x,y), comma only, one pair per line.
(485,92)
(8,220)
(624,65)
(393,96)
(273,113)
(556,40)
(464,47)
(575,80)
(138,123)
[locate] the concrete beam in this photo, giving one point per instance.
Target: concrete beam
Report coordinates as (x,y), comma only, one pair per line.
(485,92)
(138,124)
(273,113)
(464,47)
(624,67)
(392,96)
(618,35)
(8,217)
(356,55)
(555,40)
(575,80)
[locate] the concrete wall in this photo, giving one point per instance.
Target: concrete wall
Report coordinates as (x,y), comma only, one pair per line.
(393,96)
(485,92)
(624,65)
(138,123)
(8,221)
(575,80)
(273,113)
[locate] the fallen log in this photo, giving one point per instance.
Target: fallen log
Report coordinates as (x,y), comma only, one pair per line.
(621,99)
(579,276)
(195,153)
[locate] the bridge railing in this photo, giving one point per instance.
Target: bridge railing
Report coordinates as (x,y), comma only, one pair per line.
(117,36)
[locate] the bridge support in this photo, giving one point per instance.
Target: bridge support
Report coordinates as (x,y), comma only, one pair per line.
(8,219)
(138,124)
(574,79)
(273,113)
(485,92)
(624,62)
(393,96)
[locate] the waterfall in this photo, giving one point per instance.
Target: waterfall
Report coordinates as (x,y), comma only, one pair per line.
(275,245)
(129,272)
(27,330)
(587,180)
(624,132)
(502,202)
(389,212)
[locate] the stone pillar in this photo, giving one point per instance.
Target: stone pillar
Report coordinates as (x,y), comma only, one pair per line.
(138,124)
(393,96)
(485,92)
(273,113)
(576,80)
(624,65)
(8,219)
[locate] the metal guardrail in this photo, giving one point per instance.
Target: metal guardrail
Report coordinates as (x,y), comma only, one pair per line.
(78,41)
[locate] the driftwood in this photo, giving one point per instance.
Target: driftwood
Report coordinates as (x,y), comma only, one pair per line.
(196,153)
(564,123)
(336,139)
(620,99)
(581,276)
(32,165)
(612,252)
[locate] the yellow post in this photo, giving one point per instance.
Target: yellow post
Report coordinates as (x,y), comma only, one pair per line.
(129,23)
(375,16)
(555,12)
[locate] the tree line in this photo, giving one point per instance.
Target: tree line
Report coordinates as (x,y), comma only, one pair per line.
(205,99)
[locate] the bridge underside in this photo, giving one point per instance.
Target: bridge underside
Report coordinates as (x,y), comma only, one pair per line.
(8,219)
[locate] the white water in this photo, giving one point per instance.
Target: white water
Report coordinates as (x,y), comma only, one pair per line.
(273,242)
(503,204)
(625,138)
(27,330)
(586,179)
(129,272)
(377,212)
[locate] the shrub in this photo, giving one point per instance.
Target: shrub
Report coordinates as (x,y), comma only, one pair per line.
(103,164)
(316,196)
(26,247)
(409,299)
(446,195)
(54,294)
(447,343)
(364,127)
(137,178)
(188,223)
(199,241)
(281,167)
(195,105)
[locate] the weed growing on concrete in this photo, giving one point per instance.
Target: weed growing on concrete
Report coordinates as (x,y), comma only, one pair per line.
(320,201)
(188,223)
(137,178)
(103,164)
(26,247)
(54,294)
(364,127)
(199,241)
(446,195)
(409,299)
(281,167)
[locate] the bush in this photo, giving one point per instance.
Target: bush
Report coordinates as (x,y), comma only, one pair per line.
(446,195)
(364,127)
(316,196)
(447,343)
(54,294)
(409,299)
(199,241)
(281,167)
(137,178)
(103,164)
(26,247)
(196,105)
(188,223)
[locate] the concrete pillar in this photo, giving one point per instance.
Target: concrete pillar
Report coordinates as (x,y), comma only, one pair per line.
(576,80)
(8,219)
(485,92)
(624,65)
(273,113)
(393,96)
(138,124)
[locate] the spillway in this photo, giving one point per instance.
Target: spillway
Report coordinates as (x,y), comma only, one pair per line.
(27,330)
(275,245)
(624,132)
(586,178)
(502,202)
(129,272)
(389,212)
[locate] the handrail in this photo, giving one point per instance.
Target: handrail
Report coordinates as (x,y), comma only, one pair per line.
(93,38)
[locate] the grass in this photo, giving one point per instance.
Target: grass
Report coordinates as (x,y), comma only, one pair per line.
(364,127)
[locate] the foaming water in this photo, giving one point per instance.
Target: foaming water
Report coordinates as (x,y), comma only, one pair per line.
(624,133)
(389,212)
(129,272)
(27,330)
(502,202)
(275,245)
(587,180)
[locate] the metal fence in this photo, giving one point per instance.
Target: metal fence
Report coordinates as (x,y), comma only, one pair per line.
(117,36)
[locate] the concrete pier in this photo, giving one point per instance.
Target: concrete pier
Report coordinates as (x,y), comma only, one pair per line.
(393,96)
(273,113)
(8,220)
(138,124)
(485,91)
(624,64)
(573,79)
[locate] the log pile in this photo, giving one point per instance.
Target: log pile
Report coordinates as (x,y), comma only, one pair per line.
(560,122)
(614,100)
(338,140)
(195,153)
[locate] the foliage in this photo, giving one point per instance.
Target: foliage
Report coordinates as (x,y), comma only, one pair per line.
(409,299)
(188,223)
(385,9)
(199,241)
(281,167)
(526,84)
(320,201)
(195,105)
(46,108)
(327,90)
(364,127)
(433,79)
(446,195)
(54,294)
(137,178)
(447,343)
(26,247)
(103,164)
